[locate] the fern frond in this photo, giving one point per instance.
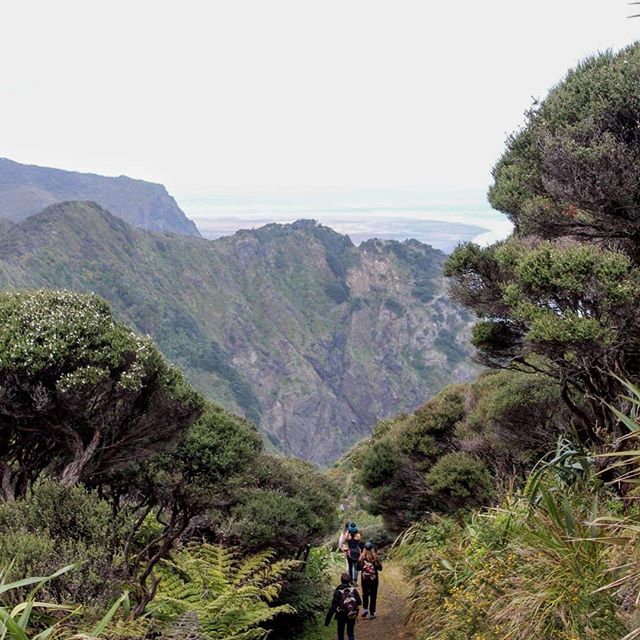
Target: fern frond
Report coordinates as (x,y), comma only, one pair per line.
(228,596)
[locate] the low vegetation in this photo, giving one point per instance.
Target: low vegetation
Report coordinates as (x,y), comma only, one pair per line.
(113,468)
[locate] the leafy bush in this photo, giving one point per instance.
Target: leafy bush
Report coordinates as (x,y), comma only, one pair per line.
(290,506)
(452,452)
(460,480)
(379,463)
(55,526)
(338,291)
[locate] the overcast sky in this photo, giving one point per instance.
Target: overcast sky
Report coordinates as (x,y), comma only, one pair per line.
(268,94)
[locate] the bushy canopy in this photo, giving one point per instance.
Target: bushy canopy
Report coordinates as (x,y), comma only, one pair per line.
(565,288)
(80,393)
(574,169)
(451,453)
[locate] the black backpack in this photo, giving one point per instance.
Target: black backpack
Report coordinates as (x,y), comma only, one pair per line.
(354,548)
(348,603)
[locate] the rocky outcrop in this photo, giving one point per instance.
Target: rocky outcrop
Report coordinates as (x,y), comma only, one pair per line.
(292,325)
(27,189)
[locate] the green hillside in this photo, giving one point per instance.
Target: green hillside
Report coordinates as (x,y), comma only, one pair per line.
(293,326)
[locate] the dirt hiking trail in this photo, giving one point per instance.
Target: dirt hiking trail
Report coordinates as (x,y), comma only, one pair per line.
(392,609)
(392,598)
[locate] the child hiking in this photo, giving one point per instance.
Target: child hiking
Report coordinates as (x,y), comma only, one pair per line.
(344,606)
(351,545)
(370,566)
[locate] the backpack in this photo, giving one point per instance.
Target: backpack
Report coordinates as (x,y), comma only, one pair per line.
(369,571)
(348,603)
(354,548)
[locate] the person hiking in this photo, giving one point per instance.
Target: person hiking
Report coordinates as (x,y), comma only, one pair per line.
(342,540)
(344,606)
(370,566)
(352,547)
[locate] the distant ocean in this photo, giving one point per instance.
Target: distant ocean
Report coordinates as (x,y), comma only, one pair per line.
(442,222)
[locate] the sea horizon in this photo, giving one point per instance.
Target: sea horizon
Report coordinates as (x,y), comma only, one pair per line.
(438,220)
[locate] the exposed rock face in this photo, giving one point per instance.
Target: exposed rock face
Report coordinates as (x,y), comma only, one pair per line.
(27,189)
(313,338)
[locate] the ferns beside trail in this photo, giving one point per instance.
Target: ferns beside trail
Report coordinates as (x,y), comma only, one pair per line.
(211,591)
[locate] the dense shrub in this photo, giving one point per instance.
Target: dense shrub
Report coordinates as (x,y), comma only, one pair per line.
(338,291)
(54,526)
(380,462)
(291,505)
(460,480)
(452,452)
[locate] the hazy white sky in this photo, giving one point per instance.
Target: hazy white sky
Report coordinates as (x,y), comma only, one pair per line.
(286,93)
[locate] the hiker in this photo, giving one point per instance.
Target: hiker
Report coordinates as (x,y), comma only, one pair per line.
(344,606)
(352,546)
(369,565)
(342,541)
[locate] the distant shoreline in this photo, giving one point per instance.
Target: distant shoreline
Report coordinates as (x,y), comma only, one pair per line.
(440,234)
(442,220)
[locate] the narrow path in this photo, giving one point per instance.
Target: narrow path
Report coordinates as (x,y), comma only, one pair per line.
(392,595)
(389,623)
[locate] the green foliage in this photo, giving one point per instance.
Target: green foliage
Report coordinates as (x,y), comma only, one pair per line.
(566,285)
(227,596)
(460,480)
(307,591)
(82,392)
(380,463)
(216,451)
(337,290)
(520,571)
(454,451)
(579,148)
(290,506)
(17,623)
(55,526)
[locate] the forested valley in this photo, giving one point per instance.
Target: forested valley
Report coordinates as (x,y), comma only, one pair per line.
(505,506)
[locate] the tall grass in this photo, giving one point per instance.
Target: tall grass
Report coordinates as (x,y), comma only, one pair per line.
(528,570)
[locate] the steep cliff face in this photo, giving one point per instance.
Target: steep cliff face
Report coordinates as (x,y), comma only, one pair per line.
(27,189)
(292,325)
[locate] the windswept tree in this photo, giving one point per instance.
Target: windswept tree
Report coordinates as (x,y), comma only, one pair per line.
(181,490)
(562,294)
(80,393)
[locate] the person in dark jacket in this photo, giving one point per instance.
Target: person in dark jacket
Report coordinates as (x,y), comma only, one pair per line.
(352,546)
(370,566)
(345,614)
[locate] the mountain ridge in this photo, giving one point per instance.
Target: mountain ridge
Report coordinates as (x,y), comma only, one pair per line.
(292,325)
(26,190)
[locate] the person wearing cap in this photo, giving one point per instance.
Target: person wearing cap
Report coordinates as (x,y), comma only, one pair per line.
(353,546)
(370,566)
